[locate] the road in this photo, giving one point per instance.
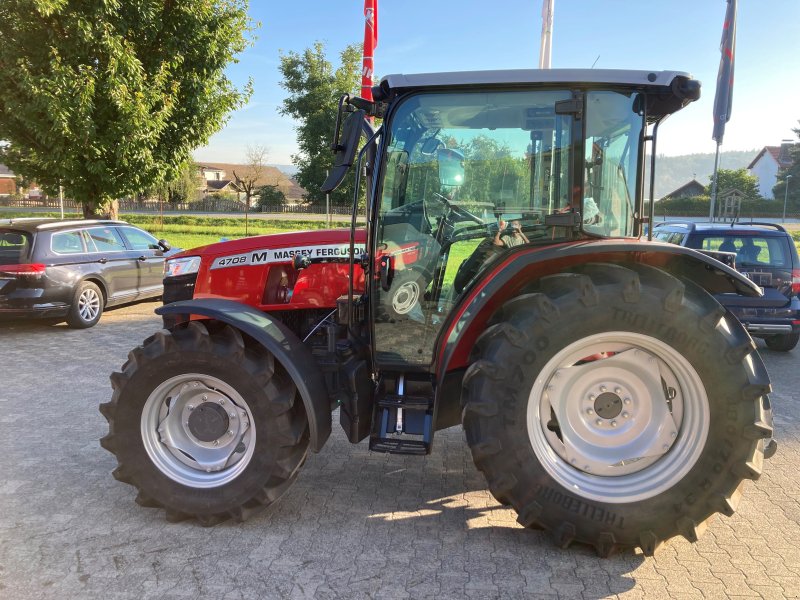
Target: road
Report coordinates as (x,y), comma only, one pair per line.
(355,525)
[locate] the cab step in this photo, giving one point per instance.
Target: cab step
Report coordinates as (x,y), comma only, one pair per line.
(403,424)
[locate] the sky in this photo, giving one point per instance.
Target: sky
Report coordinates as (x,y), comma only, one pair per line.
(418,36)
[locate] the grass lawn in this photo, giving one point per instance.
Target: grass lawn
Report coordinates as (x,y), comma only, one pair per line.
(187,231)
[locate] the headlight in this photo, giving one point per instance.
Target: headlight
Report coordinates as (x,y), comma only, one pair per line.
(181,266)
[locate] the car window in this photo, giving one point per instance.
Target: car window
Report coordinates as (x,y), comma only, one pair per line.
(106,239)
(139,240)
(67,242)
(14,246)
(672,237)
(751,250)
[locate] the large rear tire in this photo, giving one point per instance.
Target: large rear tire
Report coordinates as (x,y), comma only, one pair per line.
(617,407)
(205,424)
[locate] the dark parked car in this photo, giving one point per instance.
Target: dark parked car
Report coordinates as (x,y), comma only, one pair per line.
(72,270)
(766,254)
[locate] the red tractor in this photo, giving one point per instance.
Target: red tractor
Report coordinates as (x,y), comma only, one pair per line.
(502,284)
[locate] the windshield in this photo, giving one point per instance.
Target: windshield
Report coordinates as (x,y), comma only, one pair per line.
(468,176)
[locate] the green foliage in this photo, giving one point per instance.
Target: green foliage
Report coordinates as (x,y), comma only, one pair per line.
(107,97)
(314,88)
(182,188)
(792,176)
(736,179)
(269,195)
(674,171)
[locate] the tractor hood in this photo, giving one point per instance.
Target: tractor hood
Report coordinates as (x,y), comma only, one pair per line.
(316,243)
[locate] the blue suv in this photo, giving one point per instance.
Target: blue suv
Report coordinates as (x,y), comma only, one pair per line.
(766,254)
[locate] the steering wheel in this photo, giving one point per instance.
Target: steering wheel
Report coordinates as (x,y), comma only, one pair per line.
(457,210)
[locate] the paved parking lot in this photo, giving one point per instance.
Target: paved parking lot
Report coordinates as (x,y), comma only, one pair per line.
(355,525)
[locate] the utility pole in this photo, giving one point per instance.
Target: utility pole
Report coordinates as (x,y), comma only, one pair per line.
(785,196)
(547,34)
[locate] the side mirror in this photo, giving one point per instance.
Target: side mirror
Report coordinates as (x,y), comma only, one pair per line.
(451,167)
(345,149)
(164,245)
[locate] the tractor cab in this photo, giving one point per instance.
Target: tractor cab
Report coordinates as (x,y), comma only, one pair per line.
(473,166)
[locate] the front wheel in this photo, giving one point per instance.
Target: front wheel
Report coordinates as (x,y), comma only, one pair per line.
(404,295)
(205,424)
(617,407)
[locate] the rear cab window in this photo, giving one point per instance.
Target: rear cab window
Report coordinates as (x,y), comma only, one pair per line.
(15,246)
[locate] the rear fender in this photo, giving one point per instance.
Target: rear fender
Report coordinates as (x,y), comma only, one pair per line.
(284,345)
(525,264)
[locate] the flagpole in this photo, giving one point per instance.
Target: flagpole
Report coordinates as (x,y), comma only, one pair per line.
(546,43)
(370,41)
(713,202)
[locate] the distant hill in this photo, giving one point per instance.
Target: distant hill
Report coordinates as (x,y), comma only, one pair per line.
(290,170)
(674,171)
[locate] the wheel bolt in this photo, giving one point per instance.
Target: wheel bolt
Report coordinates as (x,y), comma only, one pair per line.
(205,397)
(216,442)
(603,388)
(625,415)
(590,412)
(599,422)
(613,423)
(673,434)
(230,433)
(592,397)
(232,415)
(627,400)
(190,407)
(665,447)
(222,400)
(617,391)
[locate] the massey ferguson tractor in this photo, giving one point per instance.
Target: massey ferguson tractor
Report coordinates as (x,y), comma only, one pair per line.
(503,283)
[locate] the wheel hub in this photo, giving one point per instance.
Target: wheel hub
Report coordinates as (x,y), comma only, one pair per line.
(198,430)
(608,405)
(208,422)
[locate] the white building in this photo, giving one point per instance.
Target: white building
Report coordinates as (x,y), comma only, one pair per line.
(765,167)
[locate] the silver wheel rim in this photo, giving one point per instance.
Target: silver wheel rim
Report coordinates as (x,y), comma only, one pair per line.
(621,426)
(405,297)
(171,438)
(89,304)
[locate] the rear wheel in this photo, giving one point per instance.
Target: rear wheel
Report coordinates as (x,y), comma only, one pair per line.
(205,424)
(87,306)
(617,407)
(782,343)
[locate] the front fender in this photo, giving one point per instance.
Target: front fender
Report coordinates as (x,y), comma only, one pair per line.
(284,345)
(525,264)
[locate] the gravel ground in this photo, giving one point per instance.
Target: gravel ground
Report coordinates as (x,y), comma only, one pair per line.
(355,525)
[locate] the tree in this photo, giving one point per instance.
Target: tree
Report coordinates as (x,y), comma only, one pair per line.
(107,97)
(314,88)
(736,179)
(182,188)
(270,195)
(249,178)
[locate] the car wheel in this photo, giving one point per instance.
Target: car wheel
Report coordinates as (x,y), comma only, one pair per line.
(87,306)
(782,343)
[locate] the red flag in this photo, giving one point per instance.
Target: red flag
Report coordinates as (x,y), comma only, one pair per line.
(370,43)
(723,100)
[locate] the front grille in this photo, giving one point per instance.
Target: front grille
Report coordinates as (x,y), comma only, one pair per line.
(180,287)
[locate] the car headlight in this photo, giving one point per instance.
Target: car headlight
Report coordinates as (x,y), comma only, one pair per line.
(181,266)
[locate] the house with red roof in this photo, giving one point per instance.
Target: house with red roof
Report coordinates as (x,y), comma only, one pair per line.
(766,164)
(8,181)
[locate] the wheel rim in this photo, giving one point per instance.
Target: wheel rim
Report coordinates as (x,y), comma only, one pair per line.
(89,304)
(618,417)
(198,430)
(405,297)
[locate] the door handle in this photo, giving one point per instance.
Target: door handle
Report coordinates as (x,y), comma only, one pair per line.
(102,261)
(142,258)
